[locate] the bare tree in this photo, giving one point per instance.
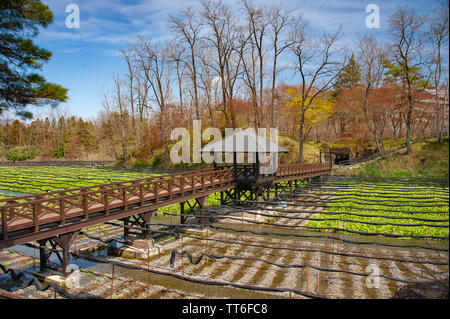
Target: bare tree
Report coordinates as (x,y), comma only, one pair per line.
(438,36)
(187,29)
(316,65)
(127,55)
(154,61)
(115,106)
(257,25)
(371,55)
(175,53)
(279,20)
(405,26)
(222,36)
(207,83)
(248,56)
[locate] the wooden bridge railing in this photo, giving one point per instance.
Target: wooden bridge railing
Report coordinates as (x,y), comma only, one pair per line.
(34,210)
(18,199)
(283,170)
(298,169)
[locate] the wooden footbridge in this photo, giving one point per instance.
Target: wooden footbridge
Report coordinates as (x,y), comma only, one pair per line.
(57,217)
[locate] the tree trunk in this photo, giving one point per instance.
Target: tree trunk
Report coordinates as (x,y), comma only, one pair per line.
(438,121)
(301,138)
(408,131)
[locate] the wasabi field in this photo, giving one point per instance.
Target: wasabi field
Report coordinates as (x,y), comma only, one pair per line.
(317,240)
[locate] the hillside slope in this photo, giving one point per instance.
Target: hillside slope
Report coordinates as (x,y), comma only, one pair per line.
(428,160)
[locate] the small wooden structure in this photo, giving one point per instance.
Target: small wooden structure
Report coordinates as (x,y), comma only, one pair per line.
(341,154)
(337,155)
(254,171)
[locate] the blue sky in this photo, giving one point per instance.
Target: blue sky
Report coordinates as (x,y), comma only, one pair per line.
(84,59)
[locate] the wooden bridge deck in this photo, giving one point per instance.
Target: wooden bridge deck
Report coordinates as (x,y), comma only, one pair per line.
(40,216)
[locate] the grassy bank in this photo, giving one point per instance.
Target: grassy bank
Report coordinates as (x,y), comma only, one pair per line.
(428,160)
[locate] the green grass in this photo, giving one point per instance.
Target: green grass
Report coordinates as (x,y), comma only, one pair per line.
(433,196)
(311,150)
(428,160)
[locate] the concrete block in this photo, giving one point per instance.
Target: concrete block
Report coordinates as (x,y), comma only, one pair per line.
(142,251)
(55,279)
(143,243)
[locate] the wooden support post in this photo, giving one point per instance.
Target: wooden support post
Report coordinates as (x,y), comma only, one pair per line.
(182,213)
(60,242)
(36,213)
(201,203)
(146,218)
(106,202)
(64,241)
(125,228)
(43,254)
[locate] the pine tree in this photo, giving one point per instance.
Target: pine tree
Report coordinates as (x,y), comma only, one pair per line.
(21,59)
(349,77)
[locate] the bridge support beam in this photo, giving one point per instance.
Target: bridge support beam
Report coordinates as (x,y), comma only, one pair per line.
(227,197)
(263,192)
(240,194)
(60,247)
(141,220)
(200,203)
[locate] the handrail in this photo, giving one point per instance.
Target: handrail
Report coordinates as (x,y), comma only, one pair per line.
(60,205)
(152,178)
(84,192)
(302,168)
